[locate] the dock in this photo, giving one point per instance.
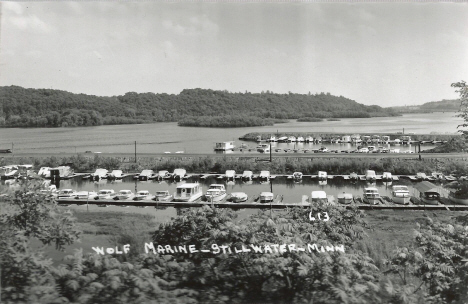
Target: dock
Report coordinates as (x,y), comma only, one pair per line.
(253,204)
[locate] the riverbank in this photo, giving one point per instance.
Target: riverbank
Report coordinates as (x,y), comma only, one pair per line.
(408,164)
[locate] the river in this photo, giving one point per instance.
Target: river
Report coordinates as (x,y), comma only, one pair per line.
(169,137)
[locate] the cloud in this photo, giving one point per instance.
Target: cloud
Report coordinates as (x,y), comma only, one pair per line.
(194,26)
(29,22)
(13,7)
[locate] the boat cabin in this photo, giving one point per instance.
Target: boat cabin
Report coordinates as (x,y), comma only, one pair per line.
(217,187)
(188,192)
(266,197)
(318,196)
(224,146)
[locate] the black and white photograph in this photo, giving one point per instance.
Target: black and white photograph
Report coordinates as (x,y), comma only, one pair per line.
(234,152)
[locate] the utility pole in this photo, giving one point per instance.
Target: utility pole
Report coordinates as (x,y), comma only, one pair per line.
(270,151)
(135,153)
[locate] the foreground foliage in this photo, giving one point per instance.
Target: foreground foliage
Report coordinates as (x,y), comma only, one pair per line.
(432,270)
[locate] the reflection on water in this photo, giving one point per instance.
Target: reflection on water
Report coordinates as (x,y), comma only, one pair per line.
(168,137)
(291,190)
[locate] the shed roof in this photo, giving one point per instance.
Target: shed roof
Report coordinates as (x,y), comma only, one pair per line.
(426,186)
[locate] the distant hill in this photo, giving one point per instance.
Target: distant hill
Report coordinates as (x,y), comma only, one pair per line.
(446,105)
(23,107)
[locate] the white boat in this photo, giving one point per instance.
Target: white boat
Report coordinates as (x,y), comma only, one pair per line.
(345,198)
(215,194)
(263,148)
(363,150)
(66,193)
(376,139)
(115,174)
(264,175)
(63,172)
(396,141)
(371,196)
(387,176)
(163,174)
(385,139)
(8,172)
(266,197)
(141,195)
(283,139)
(366,139)
(238,197)
(247,176)
(230,174)
(188,192)
(406,140)
(318,196)
(163,196)
(421,176)
(300,139)
(346,139)
(259,138)
(85,195)
(438,175)
(292,139)
(272,139)
(44,172)
(224,146)
(178,174)
(322,175)
(297,175)
(323,149)
(99,174)
(400,195)
(105,194)
(146,175)
(370,175)
(124,194)
(309,139)
(354,176)
(50,190)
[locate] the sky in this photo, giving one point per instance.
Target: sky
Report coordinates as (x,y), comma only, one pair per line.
(388,54)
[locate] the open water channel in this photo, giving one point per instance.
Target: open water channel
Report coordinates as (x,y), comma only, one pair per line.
(169,137)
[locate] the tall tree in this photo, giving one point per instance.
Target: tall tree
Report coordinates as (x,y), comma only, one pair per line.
(462,89)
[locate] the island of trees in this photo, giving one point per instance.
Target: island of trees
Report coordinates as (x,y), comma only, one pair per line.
(23,107)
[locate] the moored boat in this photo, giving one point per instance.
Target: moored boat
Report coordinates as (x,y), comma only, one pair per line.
(163,196)
(238,197)
(141,195)
(345,198)
(322,175)
(266,197)
(224,146)
(115,174)
(318,196)
(124,194)
(188,192)
(105,194)
(178,174)
(400,195)
(66,193)
(371,196)
(264,175)
(247,175)
(370,175)
(146,175)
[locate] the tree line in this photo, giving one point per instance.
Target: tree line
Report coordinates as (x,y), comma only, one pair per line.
(22,107)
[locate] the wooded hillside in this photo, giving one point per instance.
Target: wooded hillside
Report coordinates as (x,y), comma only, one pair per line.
(23,107)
